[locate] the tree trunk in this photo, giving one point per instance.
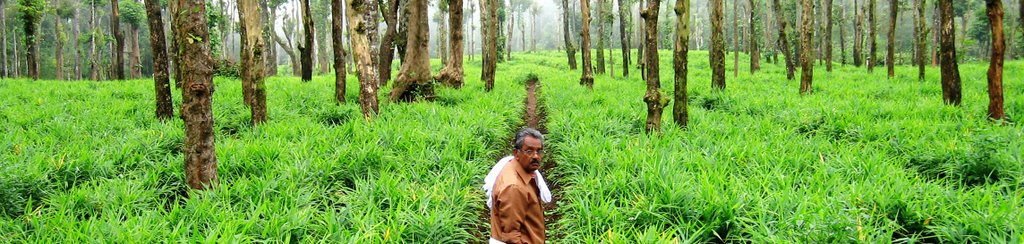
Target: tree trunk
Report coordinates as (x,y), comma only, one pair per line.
(387,44)
(921,37)
(285,44)
(192,35)
(452,74)
(59,47)
(4,71)
(717,55)
(402,36)
(735,39)
(842,38)
(173,52)
(995,67)
(936,29)
(755,52)
(781,18)
(17,61)
(442,37)
(682,41)
(115,27)
(414,77)
(31,24)
(358,30)
(570,51)
(136,54)
(640,45)
(600,37)
(270,51)
(337,34)
(654,99)
(161,80)
(306,49)
(623,39)
(806,55)
(947,45)
(77,47)
(489,29)
(587,79)
(828,35)
(508,38)
(872,49)
(253,89)
(890,58)
(858,36)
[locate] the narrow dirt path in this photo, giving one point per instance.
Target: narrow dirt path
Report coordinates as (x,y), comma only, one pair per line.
(534,116)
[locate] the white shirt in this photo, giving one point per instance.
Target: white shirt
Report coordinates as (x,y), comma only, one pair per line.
(545,193)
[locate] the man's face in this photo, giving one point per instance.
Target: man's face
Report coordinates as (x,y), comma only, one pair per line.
(529,156)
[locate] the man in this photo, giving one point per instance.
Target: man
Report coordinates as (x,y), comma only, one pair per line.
(516,212)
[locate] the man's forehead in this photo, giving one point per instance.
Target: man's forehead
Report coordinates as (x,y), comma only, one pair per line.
(532,142)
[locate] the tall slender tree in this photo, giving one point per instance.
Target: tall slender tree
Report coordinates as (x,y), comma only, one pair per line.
(858,35)
(921,37)
(995,67)
(600,36)
(387,44)
(115,27)
(161,76)
(489,32)
(414,77)
(947,55)
(365,68)
(133,14)
(570,51)
(63,10)
(452,74)
(252,60)
(755,52)
(655,100)
(624,38)
(787,55)
(735,39)
(193,37)
(682,41)
(873,48)
(587,78)
(717,56)
(807,54)
(890,57)
(4,72)
(828,35)
(306,49)
(31,14)
(337,35)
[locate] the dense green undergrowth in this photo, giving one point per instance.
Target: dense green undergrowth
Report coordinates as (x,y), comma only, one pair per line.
(863,159)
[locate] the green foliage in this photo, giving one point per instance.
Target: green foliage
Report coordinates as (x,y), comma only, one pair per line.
(227,69)
(132,12)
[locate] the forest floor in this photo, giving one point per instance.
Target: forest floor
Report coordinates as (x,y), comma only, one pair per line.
(862,159)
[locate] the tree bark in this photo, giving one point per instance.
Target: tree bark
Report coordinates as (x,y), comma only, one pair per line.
(357,29)
(337,34)
(136,57)
(192,35)
(270,51)
(115,27)
(995,67)
(781,18)
(890,58)
(286,45)
(755,51)
(30,23)
(735,39)
(253,89)
(806,55)
(387,44)
(161,79)
(452,73)
(655,100)
(570,51)
(872,49)
(173,52)
(306,50)
(624,39)
(921,36)
(587,78)
(842,38)
(4,71)
(717,56)
(414,77)
(828,35)
(59,47)
(858,38)
(489,29)
(600,37)
(947,45)
(682,41)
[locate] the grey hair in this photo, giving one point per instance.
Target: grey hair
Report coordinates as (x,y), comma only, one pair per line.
(523,133)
